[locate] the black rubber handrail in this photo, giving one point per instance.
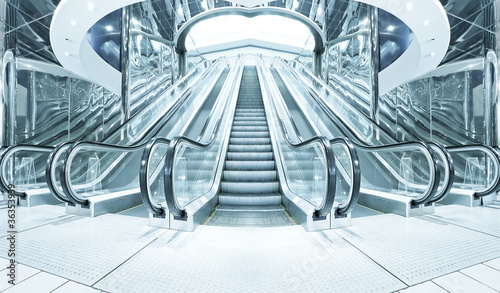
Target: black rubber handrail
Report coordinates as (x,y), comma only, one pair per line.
(451,176)
(65,181)
(48,173)
(4,186)
(493,154)
(173,208)
(434,179)
(172,205)
(50,183)
(329,199)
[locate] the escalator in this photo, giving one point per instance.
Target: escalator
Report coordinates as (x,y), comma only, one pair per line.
(95,178)
(248,167)
(249,188)
(403,178)
(353,123)
(18,159)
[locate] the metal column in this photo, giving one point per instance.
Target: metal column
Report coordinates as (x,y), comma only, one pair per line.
(125,63)
(375,62)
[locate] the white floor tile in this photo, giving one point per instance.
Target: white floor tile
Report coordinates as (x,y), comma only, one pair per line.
(458,283)
(427,287)
(40,283)
(75,288)
(23,272)
(4,263)
(494,263)
(484,274)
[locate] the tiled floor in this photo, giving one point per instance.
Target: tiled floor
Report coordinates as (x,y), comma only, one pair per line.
(455,250)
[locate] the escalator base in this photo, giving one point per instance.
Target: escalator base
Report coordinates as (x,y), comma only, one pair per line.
(236,217)
(379,253)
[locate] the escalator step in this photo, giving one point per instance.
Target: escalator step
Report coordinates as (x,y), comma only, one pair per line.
(250,165)
(247,176)
(249,134)
(250,141)
(249,128)
(250,187)
(242,156)
(250,148)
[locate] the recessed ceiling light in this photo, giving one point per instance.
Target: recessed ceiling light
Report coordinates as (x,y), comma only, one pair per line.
(90,5)
(433,53)
(73,22)
(66,53)
(409,6)
(426,23)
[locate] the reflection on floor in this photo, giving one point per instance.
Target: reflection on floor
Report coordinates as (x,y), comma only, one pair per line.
(455,250)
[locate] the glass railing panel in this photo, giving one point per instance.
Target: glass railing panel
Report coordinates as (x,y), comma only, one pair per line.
(111,168)
(399,170)
(195,163)
(138,123)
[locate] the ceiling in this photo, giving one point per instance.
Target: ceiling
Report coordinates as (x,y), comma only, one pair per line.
(30,27)
(472,23)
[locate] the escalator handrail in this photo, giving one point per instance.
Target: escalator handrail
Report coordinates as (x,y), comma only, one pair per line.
(73,148)
(450,170)
(487,149)
(4,186)
(326,145)
(50,175)
(173,145)
(37,148)
(426,149)
(490,151)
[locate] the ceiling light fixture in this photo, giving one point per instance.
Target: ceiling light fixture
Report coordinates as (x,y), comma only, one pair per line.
(90,5)
(426,23)
(73,22)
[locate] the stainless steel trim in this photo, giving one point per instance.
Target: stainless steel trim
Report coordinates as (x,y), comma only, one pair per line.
(375,62)
(319,37)
(125,63)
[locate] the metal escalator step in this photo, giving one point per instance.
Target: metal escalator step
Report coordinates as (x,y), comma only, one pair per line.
(249,148)
(248,114)
(249,128)
(249,140)
(242,118)
(249,165)
(242,156)
(249,110)
(252,176)
(251,208)
(250,187)
(249,134)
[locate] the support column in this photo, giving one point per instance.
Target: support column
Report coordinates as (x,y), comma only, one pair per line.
(182,59)
(125,63)
(8,112)
(317,63)
(491,127)
(375,62)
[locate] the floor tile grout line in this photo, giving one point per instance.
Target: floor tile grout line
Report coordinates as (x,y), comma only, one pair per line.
(39,271)
(457,225)
(42,225)
(67,281)
(126,260)
(376,262)
(432,280)
(472,278)
(485,263)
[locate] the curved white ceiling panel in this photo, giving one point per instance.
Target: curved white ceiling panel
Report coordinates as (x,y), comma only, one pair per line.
(70,23)
(429,23)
